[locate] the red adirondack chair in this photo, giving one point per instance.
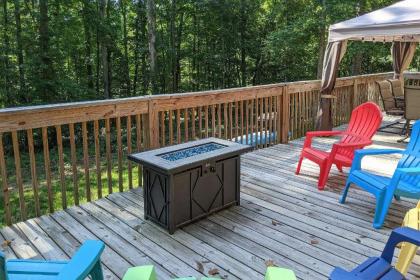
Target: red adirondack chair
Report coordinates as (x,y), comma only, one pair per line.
(365,120)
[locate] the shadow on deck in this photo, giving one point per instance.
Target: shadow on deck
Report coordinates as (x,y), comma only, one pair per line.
(283,219)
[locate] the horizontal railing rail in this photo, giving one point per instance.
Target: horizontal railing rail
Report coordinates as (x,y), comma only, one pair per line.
(56,156)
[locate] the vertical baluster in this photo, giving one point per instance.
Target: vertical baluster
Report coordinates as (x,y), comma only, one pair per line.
(61,166)
(129,151)
(97,158)
(261,116)
(47,168)
(108,154)
(225,120)
(219,120)
(138,147)
(251,120)
(193,137)
(241,107)
(74,164)
(186,124)
(270,120)
(236,120)
(200,122)
(162,129)
(206,119)
(246,121)
(34,177)
(256,123)
(119,154)
(6,196)
(266,119)
(178,126)
(171,128)
(213,120)
(275,116)
(86,160)
(19,182)
(230,121)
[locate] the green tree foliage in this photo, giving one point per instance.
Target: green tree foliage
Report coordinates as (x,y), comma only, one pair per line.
(60,51)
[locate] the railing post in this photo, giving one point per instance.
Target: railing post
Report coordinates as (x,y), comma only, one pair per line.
(355,99)
(285,115)
(151,126)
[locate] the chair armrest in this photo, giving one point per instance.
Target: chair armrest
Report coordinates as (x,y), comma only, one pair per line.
(372,152)
(398,235)
(311,134)
(359,154)
(323,133)
(409,171)
(340,274)
(83,261)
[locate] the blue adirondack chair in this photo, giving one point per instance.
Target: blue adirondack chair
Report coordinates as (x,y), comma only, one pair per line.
(405,181)
(380,267)
(86,262)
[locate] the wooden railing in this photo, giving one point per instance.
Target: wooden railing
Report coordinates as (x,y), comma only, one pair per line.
(56,156)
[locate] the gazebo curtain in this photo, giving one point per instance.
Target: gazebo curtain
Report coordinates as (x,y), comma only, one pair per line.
(402,55)
(333,55)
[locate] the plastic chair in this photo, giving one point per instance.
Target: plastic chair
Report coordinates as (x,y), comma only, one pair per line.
(365,120)
(408,251)
(388,99)
(86,262)
(405,181)
(147,272)
(380,267)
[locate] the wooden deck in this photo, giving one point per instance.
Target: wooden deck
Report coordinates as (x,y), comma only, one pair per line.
(283,219)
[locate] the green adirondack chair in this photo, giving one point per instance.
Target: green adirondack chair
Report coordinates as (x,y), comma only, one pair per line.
(147,272)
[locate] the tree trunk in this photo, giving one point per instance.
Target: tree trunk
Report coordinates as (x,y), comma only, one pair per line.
(98,54)
(88,43)
(126,59)
(151,24)
(243,51)
(6,52)
(140,36)
(19,52)
(104,49)
(356,66)
(322,42)
(46,89)
(178,53)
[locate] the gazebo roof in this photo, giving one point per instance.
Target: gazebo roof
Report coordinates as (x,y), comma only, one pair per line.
(398,22)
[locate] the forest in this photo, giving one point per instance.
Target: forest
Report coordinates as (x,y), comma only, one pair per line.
(62,51)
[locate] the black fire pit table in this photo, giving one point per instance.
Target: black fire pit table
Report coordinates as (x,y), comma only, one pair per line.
(186,182)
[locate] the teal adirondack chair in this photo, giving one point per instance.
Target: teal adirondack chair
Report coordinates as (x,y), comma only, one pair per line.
(405,182)
(86,262)
(147,272)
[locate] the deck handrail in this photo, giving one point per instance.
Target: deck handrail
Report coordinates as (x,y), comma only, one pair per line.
(55,156)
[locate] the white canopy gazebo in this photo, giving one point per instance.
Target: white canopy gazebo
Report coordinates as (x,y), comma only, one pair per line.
(398,23)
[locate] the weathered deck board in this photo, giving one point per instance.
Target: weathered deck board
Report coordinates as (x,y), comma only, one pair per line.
(283,218)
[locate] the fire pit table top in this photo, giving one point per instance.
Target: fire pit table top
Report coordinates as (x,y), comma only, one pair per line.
(177,157)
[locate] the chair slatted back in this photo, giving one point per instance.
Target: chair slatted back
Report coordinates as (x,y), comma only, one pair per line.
(364,122)
(386,93)
(411,157)
(412,102)
(397,89)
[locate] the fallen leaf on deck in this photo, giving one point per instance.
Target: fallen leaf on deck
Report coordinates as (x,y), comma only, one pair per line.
(275,223)
(200,267)
(6,243)
(270,263)
(213,271)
